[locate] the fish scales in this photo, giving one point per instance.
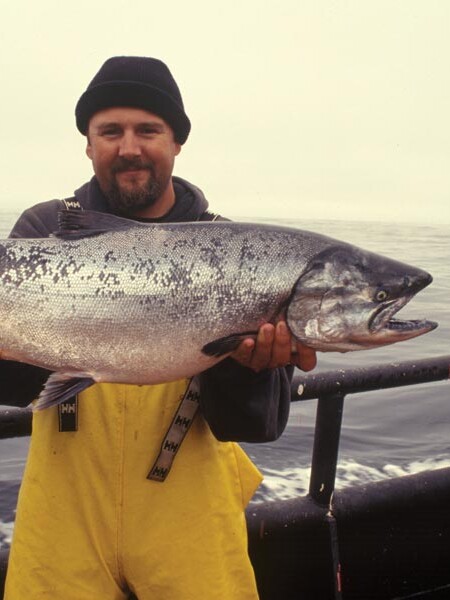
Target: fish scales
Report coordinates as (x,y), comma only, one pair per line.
(120,294)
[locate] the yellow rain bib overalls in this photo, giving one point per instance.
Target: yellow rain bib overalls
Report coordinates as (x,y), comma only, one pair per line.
(108,529)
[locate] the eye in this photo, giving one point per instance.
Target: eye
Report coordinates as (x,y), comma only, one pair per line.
(110,132)
(381,295)
(149,129)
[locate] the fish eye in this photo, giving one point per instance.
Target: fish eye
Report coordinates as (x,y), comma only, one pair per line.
(381,295)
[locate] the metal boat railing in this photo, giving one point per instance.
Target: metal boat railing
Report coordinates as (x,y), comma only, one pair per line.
(330,389)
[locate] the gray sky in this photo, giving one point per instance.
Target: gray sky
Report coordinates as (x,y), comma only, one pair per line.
(303,108)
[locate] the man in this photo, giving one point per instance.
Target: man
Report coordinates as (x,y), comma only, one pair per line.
(102,510)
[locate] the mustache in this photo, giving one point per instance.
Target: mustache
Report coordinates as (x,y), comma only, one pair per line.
(128,164)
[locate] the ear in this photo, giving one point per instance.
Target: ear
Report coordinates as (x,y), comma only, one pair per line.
(89,149)
(177,148)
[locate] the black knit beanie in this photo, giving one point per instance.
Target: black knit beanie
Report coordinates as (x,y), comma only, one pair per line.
(139,82)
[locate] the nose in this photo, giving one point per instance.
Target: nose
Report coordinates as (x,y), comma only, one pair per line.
(129,145)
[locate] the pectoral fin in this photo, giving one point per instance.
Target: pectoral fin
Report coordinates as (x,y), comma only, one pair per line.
(59,388)
(227,344)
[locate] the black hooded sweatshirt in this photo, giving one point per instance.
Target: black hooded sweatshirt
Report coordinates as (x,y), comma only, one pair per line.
(237,403)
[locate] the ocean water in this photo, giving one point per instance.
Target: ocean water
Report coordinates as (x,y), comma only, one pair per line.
(385,434)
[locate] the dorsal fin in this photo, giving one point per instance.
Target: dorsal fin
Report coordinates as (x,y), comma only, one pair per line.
(75,224)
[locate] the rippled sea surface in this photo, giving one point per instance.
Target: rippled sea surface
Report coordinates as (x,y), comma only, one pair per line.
(384,434)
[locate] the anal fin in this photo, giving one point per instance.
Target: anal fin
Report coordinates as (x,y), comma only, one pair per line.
(59,388)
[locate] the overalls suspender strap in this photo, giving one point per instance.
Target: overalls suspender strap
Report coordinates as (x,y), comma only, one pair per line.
(68,410)
(186,411)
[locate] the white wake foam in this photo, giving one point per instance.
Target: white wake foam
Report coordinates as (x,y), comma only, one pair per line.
(6,530)
(294,482)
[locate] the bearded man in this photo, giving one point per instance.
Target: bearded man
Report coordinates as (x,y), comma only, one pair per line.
(98,517)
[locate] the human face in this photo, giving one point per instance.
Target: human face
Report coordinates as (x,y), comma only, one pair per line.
(133,152)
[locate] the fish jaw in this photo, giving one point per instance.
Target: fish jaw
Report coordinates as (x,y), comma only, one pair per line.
(384,329)
(337,306)
(328,334)
(394,330)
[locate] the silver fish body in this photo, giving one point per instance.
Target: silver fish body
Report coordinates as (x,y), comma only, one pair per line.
(119,301)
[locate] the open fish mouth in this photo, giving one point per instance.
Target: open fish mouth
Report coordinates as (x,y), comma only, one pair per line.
(413,326)
(382,321)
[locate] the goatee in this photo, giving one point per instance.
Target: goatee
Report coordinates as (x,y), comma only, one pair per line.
(130,201)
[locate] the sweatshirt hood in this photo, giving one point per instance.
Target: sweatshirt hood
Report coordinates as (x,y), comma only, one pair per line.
(190,202)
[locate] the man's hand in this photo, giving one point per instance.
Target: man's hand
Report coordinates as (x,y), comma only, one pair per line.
(273,348)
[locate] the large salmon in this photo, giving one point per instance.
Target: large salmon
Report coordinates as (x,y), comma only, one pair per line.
(109,299)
